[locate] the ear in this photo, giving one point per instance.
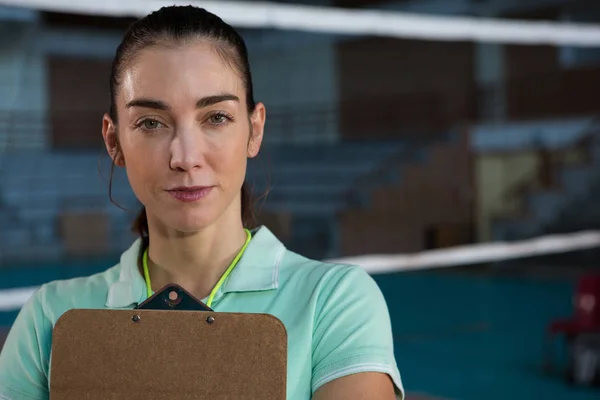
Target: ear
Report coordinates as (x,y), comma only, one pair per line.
(111,141)
(257,124)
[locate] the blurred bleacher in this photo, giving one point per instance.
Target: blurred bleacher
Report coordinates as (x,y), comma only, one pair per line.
(562,194)
(333,199)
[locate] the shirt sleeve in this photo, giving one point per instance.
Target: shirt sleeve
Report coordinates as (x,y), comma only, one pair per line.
(25,356)
(352,331)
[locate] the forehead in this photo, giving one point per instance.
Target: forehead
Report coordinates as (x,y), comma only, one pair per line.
(179,73)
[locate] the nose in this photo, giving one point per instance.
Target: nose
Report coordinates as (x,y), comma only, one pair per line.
(187,150)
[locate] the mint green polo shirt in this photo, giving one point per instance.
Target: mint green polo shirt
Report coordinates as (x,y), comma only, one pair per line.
(335,315)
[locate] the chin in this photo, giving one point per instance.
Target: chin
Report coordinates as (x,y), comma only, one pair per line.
(191,222)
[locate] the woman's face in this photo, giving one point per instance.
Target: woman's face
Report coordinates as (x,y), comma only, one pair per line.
(185,134)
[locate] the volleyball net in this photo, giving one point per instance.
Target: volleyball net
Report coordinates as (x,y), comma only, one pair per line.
(14,299)
(340,21)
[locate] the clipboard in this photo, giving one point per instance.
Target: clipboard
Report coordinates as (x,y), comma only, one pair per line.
(163,354)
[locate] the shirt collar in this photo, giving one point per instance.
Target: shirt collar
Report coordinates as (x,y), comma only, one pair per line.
(130,288)
(257,270)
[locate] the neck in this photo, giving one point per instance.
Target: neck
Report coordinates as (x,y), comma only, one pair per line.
(194,261)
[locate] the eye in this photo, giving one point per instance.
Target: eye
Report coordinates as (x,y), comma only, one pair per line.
(219,118)
(149,124)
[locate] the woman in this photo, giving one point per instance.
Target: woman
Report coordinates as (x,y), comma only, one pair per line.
(183,123)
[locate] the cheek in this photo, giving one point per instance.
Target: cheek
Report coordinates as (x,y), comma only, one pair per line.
(142,165)
(229,161)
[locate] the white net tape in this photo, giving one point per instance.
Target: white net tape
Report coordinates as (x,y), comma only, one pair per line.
(476,253)
(13,299)
(347,21)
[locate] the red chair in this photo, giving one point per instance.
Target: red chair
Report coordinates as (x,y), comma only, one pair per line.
(582,333)
(586,303)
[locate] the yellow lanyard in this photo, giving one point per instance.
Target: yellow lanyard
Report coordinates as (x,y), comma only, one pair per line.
(219,283)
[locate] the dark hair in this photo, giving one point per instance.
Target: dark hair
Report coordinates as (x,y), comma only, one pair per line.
(181,24)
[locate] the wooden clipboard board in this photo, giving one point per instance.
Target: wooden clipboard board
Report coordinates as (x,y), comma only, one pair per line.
(162,354)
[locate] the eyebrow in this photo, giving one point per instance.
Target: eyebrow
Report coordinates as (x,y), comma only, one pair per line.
(210,100)
(203,102)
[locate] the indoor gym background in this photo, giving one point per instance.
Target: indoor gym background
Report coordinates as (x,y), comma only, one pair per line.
(376,143)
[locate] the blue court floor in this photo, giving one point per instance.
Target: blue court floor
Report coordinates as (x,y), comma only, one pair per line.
(474,338)
(456,337)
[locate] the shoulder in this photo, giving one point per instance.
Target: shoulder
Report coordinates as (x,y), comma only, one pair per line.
(351,326)
(329,280)
(56,297)
(25,357)
(267,259)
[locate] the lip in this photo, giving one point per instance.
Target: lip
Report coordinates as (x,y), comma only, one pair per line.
(189,194)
